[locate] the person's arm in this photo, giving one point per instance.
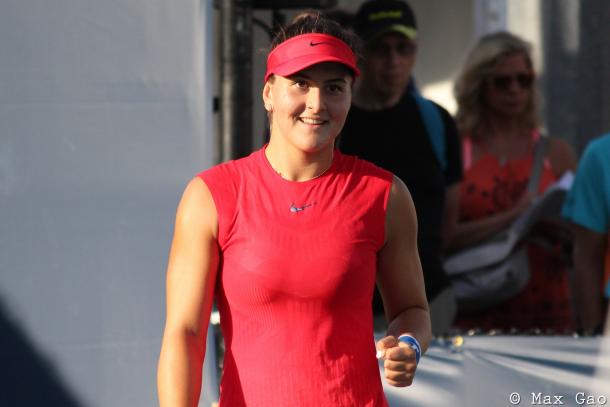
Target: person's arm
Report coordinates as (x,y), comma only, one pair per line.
(191,275)
(589,252)
(401,284)
(471,232)
(561,156)
(587,210)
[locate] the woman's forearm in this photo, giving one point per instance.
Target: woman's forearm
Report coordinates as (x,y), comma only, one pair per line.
(468,233)
(414,321)
(179,373)
(588,298)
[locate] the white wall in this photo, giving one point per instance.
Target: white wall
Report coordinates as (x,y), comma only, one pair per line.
(105,114)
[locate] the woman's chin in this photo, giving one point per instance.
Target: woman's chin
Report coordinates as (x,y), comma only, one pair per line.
(315,144)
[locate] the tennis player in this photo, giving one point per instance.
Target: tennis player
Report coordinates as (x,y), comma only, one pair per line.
(290,241)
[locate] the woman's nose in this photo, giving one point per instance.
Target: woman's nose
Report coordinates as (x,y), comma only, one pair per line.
(315,99)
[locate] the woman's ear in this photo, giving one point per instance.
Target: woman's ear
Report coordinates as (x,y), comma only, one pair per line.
(267,94)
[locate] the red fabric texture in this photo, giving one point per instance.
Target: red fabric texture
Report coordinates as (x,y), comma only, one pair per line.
(490,187)
(295,286)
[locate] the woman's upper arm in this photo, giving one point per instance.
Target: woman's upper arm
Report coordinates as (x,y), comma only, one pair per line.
(193,261)
(399,273)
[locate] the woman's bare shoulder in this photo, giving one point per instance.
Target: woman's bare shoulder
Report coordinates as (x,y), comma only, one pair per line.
(197,208)
(561,155)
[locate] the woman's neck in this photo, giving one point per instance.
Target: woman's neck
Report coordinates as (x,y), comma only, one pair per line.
(293,164)
(505,139)
(505,127)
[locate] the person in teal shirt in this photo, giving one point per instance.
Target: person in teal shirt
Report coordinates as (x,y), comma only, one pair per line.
(588,208)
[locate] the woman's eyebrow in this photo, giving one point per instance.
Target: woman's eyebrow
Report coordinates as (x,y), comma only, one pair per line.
(300,75)
(341,79)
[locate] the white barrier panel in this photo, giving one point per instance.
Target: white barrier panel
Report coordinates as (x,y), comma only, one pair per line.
(105,115)
(505,371)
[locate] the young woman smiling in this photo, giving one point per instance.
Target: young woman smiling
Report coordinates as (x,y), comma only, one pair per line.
(290,241)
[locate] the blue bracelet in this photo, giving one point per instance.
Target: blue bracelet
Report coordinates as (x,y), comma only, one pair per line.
(413,344)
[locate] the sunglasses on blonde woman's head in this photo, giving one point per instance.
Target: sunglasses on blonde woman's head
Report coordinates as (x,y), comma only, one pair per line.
(504,82)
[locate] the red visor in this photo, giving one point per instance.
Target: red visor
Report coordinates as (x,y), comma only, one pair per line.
(303,51)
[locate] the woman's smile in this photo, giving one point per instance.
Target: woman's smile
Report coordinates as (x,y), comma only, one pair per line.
(312,121)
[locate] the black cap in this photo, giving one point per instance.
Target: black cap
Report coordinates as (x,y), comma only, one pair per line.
(378,17)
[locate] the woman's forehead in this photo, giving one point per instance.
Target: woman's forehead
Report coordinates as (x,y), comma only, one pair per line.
(325,71)
(515,60)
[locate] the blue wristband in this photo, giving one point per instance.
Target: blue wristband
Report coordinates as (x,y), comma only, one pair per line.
(413,344)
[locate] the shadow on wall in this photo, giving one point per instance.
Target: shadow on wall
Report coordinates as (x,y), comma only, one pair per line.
(26,378)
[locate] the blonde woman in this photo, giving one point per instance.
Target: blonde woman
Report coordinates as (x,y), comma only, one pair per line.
(498,121)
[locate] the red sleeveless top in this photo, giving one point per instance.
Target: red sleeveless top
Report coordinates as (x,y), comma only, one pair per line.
(490,187)
(298,263)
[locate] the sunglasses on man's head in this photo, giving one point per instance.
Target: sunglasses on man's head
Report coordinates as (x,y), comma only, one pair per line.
(504,82)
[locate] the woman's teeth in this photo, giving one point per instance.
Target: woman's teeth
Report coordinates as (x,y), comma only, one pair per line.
(307,120)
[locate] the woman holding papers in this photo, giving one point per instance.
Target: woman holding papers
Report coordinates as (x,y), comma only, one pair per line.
(498,120)
(289,241)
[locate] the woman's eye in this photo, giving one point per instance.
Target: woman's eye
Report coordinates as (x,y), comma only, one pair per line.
(301,84)
(335,88)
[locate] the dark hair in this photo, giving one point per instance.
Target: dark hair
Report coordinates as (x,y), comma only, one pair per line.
(316,22)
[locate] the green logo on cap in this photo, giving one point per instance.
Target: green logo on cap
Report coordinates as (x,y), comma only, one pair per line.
(380,15)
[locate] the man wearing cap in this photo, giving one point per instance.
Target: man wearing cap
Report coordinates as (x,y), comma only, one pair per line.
(393,126)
